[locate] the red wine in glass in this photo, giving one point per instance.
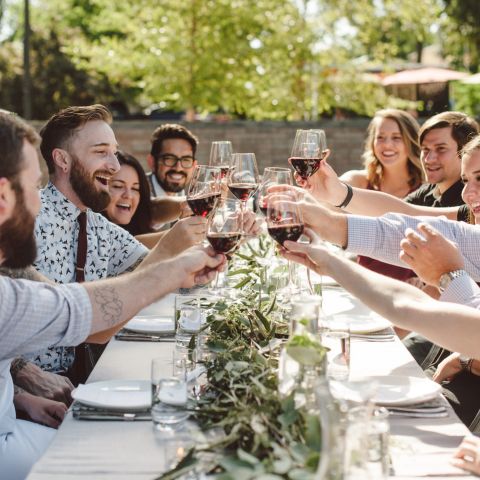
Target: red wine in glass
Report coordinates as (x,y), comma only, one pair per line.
(305,167)
(243,191)
(281,233)
(202,205)
(224,242)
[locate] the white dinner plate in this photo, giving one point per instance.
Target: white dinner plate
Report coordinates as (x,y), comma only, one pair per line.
(392,390)
(163,307)
(360,324)
(160,325)
(115,394)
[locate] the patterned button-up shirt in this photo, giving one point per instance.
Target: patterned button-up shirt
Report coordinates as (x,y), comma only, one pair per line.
(111,251)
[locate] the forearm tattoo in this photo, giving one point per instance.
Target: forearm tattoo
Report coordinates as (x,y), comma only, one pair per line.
(109,303)
(17,365)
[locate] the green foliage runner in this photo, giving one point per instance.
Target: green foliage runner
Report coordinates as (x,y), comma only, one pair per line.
(260,435)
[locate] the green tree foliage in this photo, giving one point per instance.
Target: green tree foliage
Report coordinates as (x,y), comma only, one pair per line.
(461,25)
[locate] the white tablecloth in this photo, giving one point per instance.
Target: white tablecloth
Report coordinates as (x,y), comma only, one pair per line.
(113,450)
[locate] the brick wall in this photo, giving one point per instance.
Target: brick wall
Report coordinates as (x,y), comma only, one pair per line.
(270,141)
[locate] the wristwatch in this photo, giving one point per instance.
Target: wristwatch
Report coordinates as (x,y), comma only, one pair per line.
(465,363)
(447,278)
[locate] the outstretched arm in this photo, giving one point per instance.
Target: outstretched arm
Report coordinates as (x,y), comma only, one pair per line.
(325,186)
(404,305)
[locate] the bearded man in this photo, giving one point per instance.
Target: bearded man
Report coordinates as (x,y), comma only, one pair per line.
(79,147)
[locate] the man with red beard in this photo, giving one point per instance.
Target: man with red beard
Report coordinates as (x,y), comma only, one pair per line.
(34,315)
(79,148)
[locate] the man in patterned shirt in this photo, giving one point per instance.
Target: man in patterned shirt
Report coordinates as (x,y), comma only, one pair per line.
(34,315)
(79,148)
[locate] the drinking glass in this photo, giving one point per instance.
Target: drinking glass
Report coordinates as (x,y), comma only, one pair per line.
(284,222)
(243,177)
(224,229)
(169,397)
(204,190)
(336,337)
(272,176)
(308,150)
(221,156)
(188,318)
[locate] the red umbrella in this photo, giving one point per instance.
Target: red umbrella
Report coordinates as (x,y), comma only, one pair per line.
(423,75)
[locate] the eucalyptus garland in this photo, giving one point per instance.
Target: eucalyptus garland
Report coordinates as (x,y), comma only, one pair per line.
(261,435)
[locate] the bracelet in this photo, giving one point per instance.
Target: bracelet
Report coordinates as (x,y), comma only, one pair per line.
(348,197)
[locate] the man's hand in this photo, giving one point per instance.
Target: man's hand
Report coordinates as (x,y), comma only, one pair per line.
(313,255)
(184,234)
(199,265)
(430,254)
(41,410)
(34,380)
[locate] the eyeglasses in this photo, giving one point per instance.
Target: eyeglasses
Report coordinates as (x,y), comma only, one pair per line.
(170,160)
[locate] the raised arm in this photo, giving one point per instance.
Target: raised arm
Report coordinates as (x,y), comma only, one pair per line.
(325,186)
(404,305)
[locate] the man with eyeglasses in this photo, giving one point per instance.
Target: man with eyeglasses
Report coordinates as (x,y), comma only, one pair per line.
(171,160)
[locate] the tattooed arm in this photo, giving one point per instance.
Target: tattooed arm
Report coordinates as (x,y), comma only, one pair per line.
(115,301)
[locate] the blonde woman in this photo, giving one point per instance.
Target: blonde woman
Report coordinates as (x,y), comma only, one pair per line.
(392,165)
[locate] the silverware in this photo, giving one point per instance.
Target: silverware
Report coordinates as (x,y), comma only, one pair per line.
(374,338)
(83,412)
(140,337)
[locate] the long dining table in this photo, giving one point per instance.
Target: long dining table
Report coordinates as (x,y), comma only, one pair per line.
(419,447)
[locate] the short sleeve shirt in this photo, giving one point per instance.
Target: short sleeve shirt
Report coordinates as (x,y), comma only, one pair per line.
(111,251)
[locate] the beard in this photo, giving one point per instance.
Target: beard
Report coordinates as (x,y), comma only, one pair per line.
(17,239)
(170,186)
(84,186)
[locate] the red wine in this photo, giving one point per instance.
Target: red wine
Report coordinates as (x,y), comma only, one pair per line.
(243,191)
(305,167)
(263,209)
(203,204)
(281,233)
(224,242)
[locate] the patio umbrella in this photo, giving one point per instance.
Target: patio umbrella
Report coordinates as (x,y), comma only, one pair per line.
(423,75)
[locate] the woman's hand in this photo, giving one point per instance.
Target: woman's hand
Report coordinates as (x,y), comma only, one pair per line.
(467,455)
(448,368)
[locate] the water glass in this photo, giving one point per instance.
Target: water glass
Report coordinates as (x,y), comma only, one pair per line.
(305,313)
(336,337)
(378,459)
(169,397)
(188,318)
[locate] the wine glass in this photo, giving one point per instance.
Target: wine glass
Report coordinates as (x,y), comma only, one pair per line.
(243,177)
(204,190)
(309,148)
(284,222)
(221,156)
(224,230)
(272,176)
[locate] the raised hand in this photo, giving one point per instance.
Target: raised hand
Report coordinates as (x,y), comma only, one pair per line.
(429,253)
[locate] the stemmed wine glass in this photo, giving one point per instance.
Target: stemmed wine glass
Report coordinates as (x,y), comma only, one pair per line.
(284,222)
(309,148)
(272,176)
(224,230)
(221,156)
(204,190)
(243,177)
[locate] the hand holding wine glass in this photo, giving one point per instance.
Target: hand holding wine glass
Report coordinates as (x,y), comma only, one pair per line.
(204,190)
(309,148)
